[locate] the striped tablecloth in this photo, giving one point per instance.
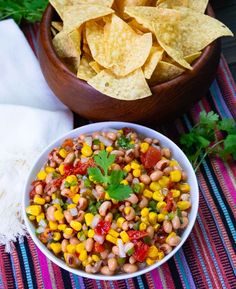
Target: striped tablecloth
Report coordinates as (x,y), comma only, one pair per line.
(207,259)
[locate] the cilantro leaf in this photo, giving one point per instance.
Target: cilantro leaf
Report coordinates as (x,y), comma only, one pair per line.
(119,192)
(124,142)
(228,125)
(116,177)
(209,119)
(104,160)
(97,175)
(230,145)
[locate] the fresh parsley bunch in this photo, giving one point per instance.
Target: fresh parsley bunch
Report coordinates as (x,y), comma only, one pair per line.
(19,10)
(210,136)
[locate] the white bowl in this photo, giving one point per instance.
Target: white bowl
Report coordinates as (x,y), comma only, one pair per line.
(177,154)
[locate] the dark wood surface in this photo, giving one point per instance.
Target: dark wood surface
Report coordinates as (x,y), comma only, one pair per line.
(225,11)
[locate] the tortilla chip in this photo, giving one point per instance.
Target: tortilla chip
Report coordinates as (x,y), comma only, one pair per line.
(107,3)
(74,16)
(197,5)
(126,50)
(130,87)
(137,27)
(96,67)
(57,25)
(85,71)
(59,5)
(191,57)
(152,61)
(54,31)
(121,4)
(164,72)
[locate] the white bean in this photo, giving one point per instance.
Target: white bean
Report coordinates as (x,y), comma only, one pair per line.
(105,271)
(112,264)
(104,207)
(174,241)
(89,244)
(50,213)
(184,223)
(130,268)
(156,175)
(145,179)
(167,226)
(133,199)
(175,222)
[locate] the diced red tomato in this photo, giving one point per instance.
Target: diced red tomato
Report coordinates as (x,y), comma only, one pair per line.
(98,248)
(135,235)
(67,143)
(169,202)
(102,227)
(68,168)
(151,157)
(81,168)
(140,251)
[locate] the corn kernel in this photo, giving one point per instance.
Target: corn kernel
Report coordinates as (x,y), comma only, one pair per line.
(158,196)
(58,215)
(161,255)
(155,186)
(40,217)
(156,227)
(127,168)
(70,248)
(109,149)
(127,210)
(56,247)
(79,247)
(85,263)
(134,165)
(41,175)
(144,212)
(183,205)
(91,233)
(161,205)
(107,197)
(56,236)
(152,252)
(164,181)
(144,147)
(160,218)
(148,194)
(52,225)
(120,221)
(142,227)
(61,227)
(141,185)
(124,182)
(150,261)
(137,173)
(102,146)
(68,231)
(83,255)
(63,153)
(175,193)
(175,176)
(77,226)
(49,170)
(173,163)
(111,239)
(113,233)
(152,218)
(172,234)
(86,150)
(54,196)
(34,210)
(95,258)
(145,220)
(58,207)
(71,206)
(61,169)
(74,189)
(185,187)
(76,198)
(124,236)
(32,218)
(88,218)
(71,178)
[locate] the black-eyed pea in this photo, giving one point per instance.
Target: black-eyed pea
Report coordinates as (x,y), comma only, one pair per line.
(71,260)
(145,179)
(125,226)
(174,241)
(116,167)
(106,271)
(143,203)
(50,213)
(166,248)
(176,222)
(115,250)
(150,231)
(89,244)
(165,152)
(130,268)
(68,216)
(167,171)
(184,213)
(161,165)
(184,223)
(111,135)
(133,199)
(112,264)
(39,189)
(184,176)
(104,207)
(185,197)
(132,260)
(167,226)
(148,140)
(104,254)
(129,177)
(82,204)
(69,158)
(74,241)
(131,215)
(109,217)
(156,175)
(80,217)
(64,244)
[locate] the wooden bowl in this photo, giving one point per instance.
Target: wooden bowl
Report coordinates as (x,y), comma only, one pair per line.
(168,100)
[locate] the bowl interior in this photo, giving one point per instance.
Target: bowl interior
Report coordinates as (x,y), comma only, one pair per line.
(177,154)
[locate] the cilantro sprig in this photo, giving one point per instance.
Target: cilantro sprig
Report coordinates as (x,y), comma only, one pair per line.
(112,180)
(210,136)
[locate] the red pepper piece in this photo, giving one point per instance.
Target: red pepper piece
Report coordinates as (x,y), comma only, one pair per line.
(140,251)
(151,157)
(102,227)
(135,235)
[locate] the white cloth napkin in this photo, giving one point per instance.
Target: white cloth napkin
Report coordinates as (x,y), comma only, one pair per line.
(30,118)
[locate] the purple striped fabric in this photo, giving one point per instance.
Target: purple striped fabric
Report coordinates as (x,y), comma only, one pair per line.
(207,259)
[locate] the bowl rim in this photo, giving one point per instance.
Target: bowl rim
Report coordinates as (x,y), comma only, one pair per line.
(95,127)
(54,58)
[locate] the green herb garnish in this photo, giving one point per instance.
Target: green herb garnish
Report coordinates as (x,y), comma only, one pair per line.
(179,214)
(96,141)
(203,140)
(152,205)
(87,183)
(124,142)
(100,174)
(147,240)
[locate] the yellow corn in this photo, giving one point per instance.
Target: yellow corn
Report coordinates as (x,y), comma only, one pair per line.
(172,234)
(39,200)
(120,221)
(109,149)
(61,169)
(127,210)
(56,236)
(163,182)
(83,255)
(173,163)
(145,220)
(161,255)
(175,193)
(76,198)
(155,186)
(150,261)
(85,263)
(158,196)
(127,168)
(183,205)
(144,147)
(63,153)
(102,146)
(152,252)
(175,176)
(144,212)
(161,205)
(58,207)
(111,239)
(152,218)
(91,233)
(34,210)
(56,247)
(49,170)
(86,150)
(141,185)
(95,258)
(52,225)
(68,231)
(71,178)
(79,247)
(134,165)
(124,182)
(107,197)
(88,218)
(124,236)
(137,173)
(74,189)
(71,206)
(185,187)
(32,218)
(40,217)
(148,194)
(58,215)
(142,227)
(41,175)
(113,233)
(156,227)
(54,196)
(61,227)
(77,226)
(160,218)
(70,248)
